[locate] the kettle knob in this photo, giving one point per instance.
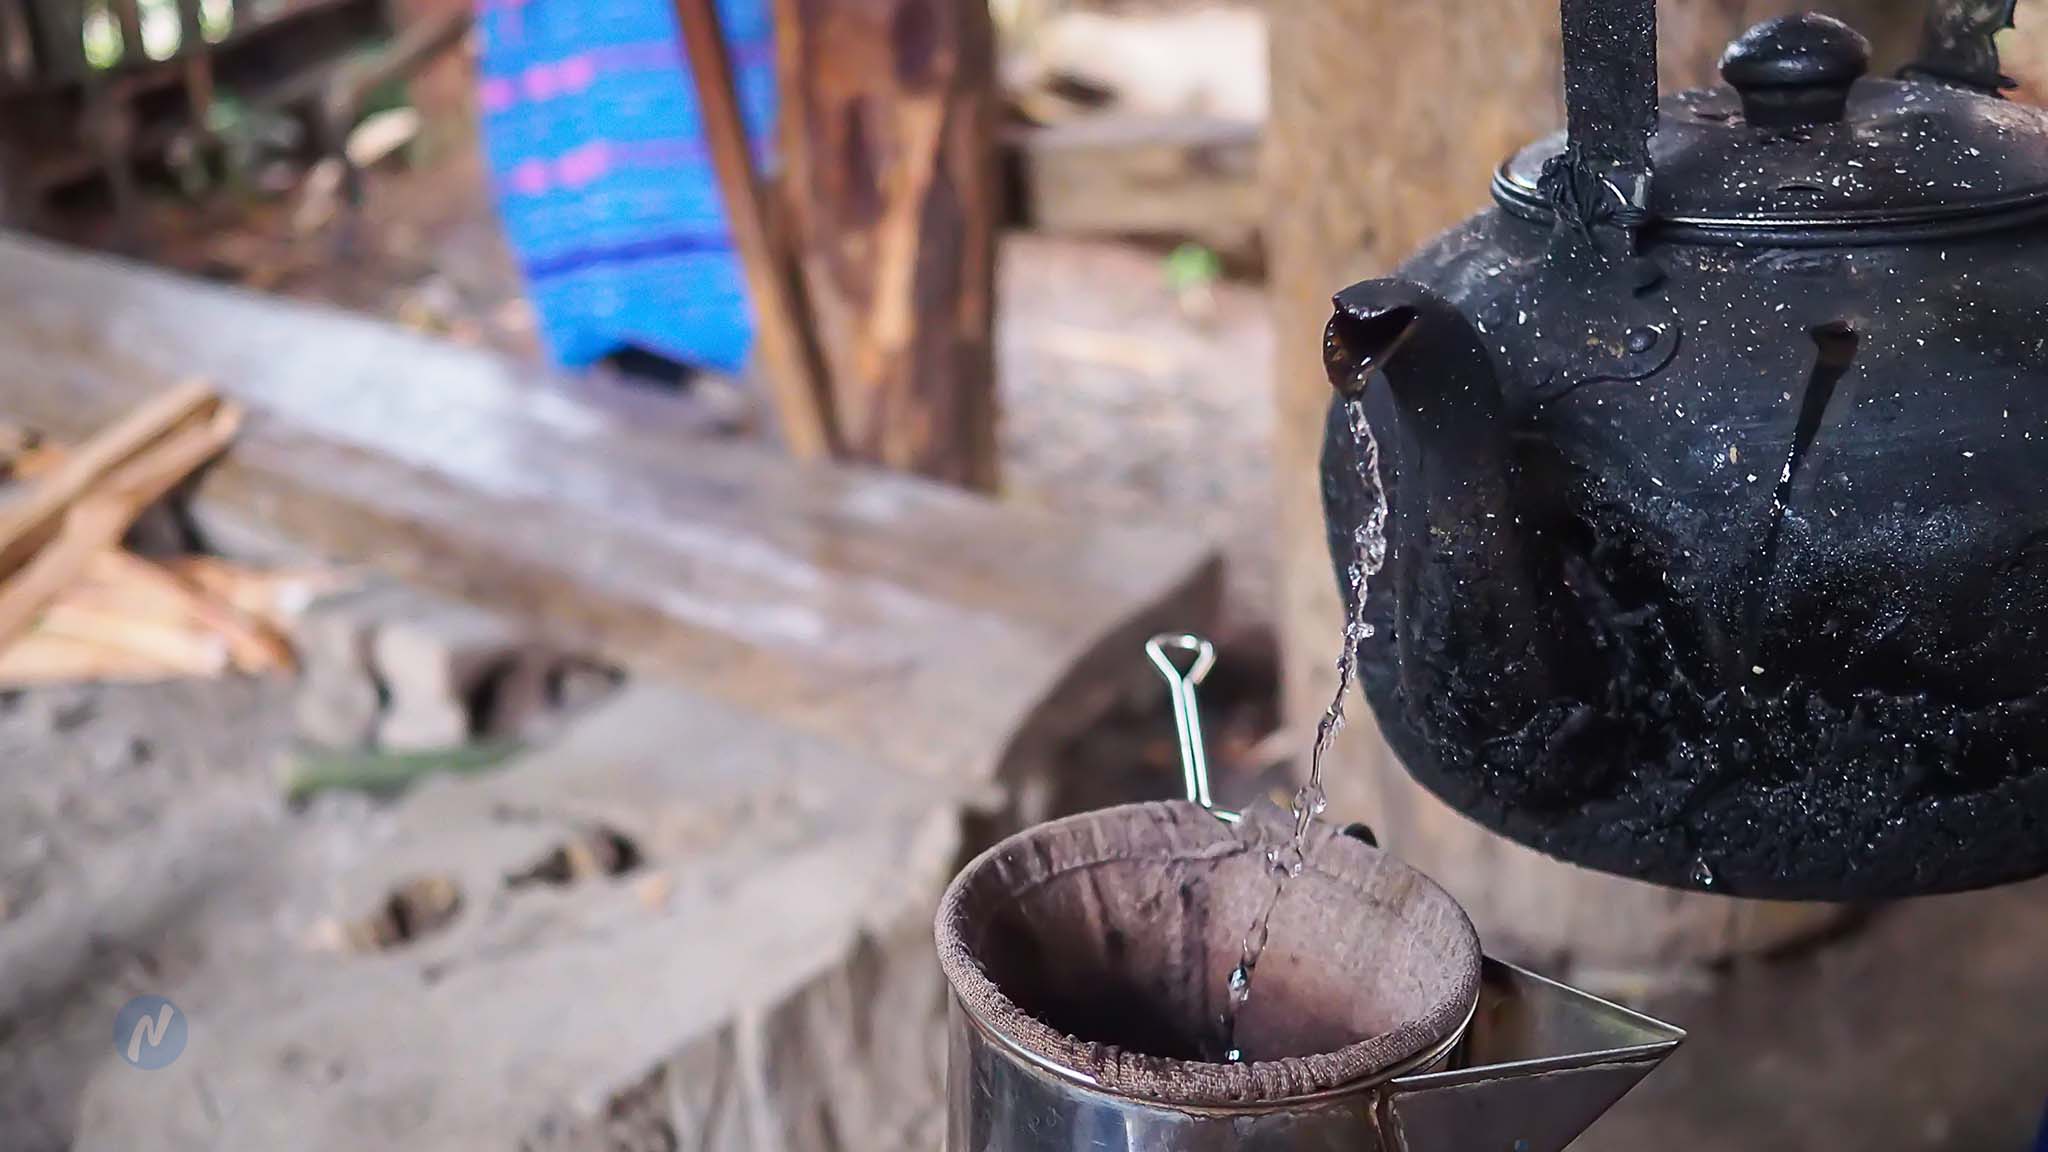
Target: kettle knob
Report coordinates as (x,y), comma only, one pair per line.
(1796,71)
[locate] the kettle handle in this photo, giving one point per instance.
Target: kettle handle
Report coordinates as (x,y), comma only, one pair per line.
(1610,93)
(1610,97)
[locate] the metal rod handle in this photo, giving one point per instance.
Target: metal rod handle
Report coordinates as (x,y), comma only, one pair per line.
(1187,713)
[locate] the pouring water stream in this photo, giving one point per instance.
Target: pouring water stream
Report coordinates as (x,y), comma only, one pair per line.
(1287,860)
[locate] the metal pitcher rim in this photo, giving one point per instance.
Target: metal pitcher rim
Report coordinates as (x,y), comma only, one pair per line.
(1413,1065)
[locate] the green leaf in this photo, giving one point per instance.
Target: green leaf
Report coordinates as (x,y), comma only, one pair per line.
(382,773)
(1192,266)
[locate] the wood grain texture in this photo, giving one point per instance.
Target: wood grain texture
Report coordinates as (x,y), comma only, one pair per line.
(888,139)
(783,334)
(1388,120)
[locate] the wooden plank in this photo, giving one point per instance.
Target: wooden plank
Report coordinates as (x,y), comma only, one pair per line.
(946,632)
(783,334)
(1154,178)
(889,114)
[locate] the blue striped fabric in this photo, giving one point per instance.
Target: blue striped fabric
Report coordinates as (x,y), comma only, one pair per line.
(601,176)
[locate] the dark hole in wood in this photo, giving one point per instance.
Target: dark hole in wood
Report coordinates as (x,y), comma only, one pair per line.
(594,852)
(416,908)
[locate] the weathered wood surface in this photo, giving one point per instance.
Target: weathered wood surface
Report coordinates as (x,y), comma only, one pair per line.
(1149,177)
(888,146)
(928,627)
(1388,120)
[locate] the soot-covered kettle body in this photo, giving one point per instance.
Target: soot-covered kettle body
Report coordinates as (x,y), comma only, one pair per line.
(1717,464)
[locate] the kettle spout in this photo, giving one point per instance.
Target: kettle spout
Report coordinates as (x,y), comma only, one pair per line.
(1445,387)
(1364,334)
(1435,359)
(1541,1062)
(1459,553)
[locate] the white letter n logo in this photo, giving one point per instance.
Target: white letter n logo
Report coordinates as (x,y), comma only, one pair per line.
(152,1029)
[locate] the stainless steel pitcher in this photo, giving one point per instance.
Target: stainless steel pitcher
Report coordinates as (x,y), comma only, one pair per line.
(1088,959)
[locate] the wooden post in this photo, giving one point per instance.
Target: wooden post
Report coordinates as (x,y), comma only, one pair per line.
(888,143)
(783,335)
(1388,119)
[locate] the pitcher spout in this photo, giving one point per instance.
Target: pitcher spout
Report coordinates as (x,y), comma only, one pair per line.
(1540,1063)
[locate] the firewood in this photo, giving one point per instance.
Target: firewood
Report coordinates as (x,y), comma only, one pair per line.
(51,658)
(100,511)
(276,596)
(27,525)
(254,645)
(181,647)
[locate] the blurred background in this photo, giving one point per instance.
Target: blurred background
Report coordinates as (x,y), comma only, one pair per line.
(598,507)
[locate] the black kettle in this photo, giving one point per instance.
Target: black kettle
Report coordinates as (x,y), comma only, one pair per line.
(1715,460)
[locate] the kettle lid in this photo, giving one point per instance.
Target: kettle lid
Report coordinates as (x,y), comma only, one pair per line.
(1802,149)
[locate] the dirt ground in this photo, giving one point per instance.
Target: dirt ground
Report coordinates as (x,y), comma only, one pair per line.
(118,807)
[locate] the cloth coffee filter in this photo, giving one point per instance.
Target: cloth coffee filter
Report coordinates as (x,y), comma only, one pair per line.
(1102,944)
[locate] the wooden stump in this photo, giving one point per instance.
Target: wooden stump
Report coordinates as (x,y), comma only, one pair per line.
(888,141)
(1388,119)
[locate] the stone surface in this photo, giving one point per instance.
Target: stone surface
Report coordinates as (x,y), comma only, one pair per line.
(1122,402)
(435,659)
(337,702)
(779,993)
(405,670)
